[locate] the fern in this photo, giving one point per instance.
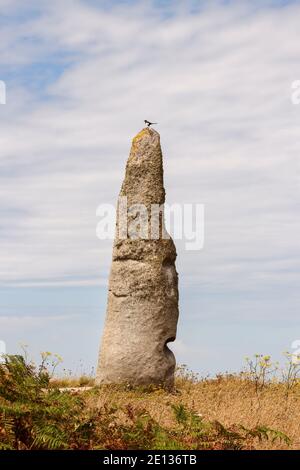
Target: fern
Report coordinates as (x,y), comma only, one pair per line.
(37,416)
(49,437)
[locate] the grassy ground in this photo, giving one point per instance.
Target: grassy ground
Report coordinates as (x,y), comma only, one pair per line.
(231,400)
(252,410)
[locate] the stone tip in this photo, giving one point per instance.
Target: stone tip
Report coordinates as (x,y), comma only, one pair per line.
(147,133)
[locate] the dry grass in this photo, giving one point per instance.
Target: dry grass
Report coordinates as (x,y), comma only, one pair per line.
(72,382)
(251,410)
(229,399)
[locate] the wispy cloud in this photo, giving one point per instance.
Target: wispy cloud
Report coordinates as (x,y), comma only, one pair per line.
(217,80)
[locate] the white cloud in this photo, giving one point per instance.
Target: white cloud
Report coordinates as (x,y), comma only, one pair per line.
(218,82)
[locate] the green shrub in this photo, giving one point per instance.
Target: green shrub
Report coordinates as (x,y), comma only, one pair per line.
(36,415)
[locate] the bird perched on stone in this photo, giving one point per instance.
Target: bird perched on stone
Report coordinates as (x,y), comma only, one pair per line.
(149,123)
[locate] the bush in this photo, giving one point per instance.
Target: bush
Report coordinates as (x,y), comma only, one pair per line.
(36,415)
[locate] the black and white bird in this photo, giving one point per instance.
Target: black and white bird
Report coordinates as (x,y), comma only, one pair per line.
(149,123)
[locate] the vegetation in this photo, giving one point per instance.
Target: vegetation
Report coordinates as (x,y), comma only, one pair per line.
(251,410)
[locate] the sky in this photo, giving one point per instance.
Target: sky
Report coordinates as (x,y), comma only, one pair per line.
(81,76)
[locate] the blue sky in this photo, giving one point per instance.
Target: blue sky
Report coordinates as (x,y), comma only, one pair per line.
(81,76)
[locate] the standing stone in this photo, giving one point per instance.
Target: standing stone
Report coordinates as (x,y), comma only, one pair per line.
(142,309)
